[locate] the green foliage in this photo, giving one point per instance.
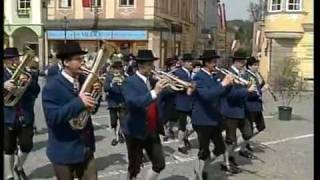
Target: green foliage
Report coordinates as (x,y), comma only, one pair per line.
(286,81)
(243,32)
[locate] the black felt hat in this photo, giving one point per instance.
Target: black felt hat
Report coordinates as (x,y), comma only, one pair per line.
(69,49)
(117,64)
(252,60)
(240,54)
(10,53)
(145,55)
(187,57)
(209,54)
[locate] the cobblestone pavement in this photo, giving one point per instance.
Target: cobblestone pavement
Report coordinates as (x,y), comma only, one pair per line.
(287,153)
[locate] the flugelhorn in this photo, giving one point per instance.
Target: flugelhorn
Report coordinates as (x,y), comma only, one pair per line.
(174,82)
(239,80)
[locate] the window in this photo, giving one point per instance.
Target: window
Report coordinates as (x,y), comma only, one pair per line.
(23,7)
(275,5)
(126,2)
(64,3)
(294,5)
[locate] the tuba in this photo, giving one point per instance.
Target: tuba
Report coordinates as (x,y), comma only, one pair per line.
(11,98)
(92,77)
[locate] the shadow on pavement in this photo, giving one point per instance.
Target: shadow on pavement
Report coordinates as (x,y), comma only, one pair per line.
(39,145)
(43,172)
(113,159)
(168,151)
(175,177)
(99,138)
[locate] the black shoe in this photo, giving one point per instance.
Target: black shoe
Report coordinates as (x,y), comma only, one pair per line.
(249,147)
(10,178)
(230,169)
(121,138)
(165,138)
(20,173)
(114,142)
(183,150)
(232,161)
(171,134)
(187,144)
(204,175)
(246,154)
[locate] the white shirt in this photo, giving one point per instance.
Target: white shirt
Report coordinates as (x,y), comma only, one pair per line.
(73,81)
(204,70)
(145,80)
(187,71)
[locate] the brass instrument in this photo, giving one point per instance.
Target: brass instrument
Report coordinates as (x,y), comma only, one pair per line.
(175,83)
(260,81)
(11,98)
(92,77)
(238,79)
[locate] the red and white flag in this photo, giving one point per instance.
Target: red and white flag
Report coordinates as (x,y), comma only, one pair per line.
(222,15)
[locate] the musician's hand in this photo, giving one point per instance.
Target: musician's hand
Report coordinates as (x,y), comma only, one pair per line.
(227,80)
(252,88)
(9,85)
(24,79)
(160,85)
(191,89)
(97,87)
(87,100)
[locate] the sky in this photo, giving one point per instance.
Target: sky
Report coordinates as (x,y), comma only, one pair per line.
(237,9)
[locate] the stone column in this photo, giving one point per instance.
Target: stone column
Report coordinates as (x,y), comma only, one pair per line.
(11,41)
(41,48)
(46,54)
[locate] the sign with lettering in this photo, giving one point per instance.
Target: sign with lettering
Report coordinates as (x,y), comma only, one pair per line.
(97,35)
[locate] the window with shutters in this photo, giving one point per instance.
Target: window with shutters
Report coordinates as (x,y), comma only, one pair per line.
(24,7)
(65,3)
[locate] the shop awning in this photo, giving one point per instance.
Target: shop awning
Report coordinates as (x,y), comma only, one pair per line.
(107,24)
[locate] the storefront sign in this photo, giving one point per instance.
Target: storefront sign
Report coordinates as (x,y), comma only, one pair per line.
(98,35)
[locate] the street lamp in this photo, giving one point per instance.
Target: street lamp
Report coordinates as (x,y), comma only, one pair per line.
(66,22)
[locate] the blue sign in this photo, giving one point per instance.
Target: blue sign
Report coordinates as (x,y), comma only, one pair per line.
(98,35)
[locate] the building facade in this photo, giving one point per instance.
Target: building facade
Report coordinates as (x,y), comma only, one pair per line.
(23,25)
(287,30)
(168,27)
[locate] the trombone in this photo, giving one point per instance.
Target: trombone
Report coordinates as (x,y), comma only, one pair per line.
(175,83)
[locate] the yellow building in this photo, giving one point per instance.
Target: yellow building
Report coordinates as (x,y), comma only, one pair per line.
(287,30)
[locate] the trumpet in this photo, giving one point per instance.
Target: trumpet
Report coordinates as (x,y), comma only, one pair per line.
(175,83)
(239,80)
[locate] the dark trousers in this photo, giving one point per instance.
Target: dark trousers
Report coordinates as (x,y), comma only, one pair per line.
(182,120)
(205,135)
(115,115)
(153,147)
(22,136)
(84,171)
(231,126)
(258,119)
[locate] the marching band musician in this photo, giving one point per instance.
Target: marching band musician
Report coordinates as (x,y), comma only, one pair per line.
(19,119)
(254,106)
(233,110)
(184,102)
(70,150)
(115,99)
(143,122)
(206,118)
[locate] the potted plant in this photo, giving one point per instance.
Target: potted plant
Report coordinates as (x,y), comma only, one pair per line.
(287,81)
